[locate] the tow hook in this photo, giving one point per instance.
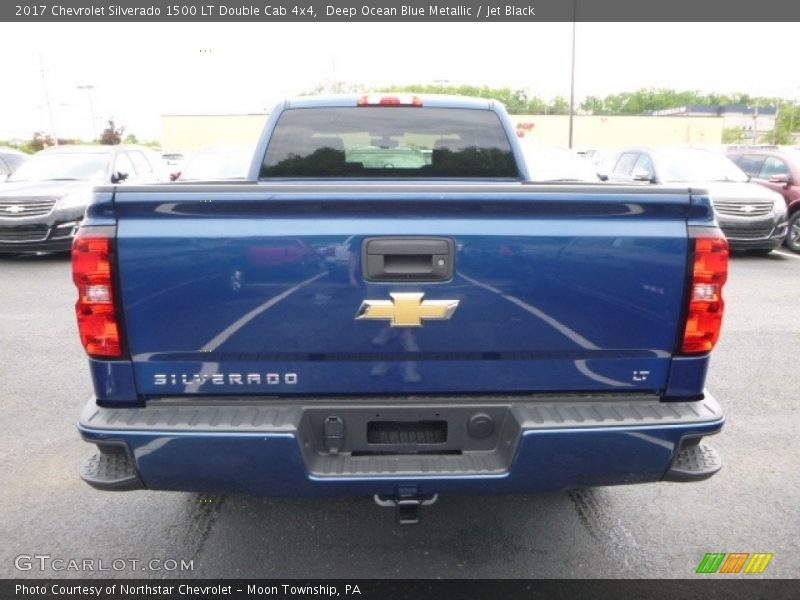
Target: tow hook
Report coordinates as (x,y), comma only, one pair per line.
(406,505)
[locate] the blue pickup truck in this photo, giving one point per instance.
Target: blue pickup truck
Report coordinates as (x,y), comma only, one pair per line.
(388,306)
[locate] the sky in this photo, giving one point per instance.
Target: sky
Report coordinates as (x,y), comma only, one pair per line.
(141,71)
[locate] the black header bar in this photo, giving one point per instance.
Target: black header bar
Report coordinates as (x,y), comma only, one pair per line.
(268,11)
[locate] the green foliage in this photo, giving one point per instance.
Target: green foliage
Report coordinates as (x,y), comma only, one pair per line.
(733,135)
(646,100)
(22,146)
(788,121)
(592,105)
(516,101)
(559,106)
(335,87)
(40,141)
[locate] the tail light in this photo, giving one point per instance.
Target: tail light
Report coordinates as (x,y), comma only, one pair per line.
(378,100)
(92,272)
(704,316)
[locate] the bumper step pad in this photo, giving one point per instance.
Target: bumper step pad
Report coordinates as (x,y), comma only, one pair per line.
(111,471)
(694,463)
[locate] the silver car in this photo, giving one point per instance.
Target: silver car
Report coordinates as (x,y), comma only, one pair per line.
(751,216)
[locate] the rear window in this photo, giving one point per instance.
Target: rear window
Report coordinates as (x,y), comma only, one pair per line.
(393,142)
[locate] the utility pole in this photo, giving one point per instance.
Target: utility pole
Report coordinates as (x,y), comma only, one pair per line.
(47,101)
(572,73)
(755,125)
(89,87)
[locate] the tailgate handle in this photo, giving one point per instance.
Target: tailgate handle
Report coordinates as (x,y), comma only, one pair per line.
(408,259)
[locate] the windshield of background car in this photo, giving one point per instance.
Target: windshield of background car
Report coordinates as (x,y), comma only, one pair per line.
(683,165)
(63,166)
(555,164)
(214,165)
(394,142)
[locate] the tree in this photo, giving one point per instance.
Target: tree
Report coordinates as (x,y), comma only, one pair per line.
(592,105)
(732,135)
(40,141)
(647,100)
(559,106)
(335,87)
(515,101)
(131,139)
(112,135)
(785,123)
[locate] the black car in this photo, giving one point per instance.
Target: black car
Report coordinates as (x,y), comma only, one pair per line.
(43,201)
(10,160)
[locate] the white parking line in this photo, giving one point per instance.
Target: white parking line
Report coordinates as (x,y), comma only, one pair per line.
(244,320)
(210,368)
(787,254)
(554,323)
(566,331)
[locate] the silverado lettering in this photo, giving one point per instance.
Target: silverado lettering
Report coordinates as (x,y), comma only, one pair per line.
(225,378)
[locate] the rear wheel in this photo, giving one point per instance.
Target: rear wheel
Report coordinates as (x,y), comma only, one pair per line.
(793,234)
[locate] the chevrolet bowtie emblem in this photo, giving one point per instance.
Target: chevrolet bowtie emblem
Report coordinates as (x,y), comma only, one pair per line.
(15,209)
(407,309)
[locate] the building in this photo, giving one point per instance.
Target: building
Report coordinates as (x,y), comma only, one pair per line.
(756,121)
(596,131)
(193,132)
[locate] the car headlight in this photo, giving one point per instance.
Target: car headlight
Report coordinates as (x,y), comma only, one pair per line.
(779,206)
(79,199)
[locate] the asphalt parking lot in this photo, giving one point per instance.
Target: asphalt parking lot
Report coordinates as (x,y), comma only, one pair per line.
(654,530)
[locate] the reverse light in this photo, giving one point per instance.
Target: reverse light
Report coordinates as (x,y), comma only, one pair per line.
(379,100)
(706,306)
(92,273)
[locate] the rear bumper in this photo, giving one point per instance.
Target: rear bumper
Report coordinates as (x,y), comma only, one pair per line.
(536,444)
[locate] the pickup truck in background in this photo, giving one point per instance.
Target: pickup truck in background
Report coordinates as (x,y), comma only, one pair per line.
(491,335)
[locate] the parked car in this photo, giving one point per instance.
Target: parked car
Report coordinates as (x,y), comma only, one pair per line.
(590,154)
(778,170)
(43,201)
(556,164)
(10,160)
(750,216)
(173,162)
(216,163)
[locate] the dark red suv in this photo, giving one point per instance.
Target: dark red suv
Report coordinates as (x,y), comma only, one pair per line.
(778,170)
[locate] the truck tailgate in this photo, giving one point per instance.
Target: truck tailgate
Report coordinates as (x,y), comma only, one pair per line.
(255,289)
